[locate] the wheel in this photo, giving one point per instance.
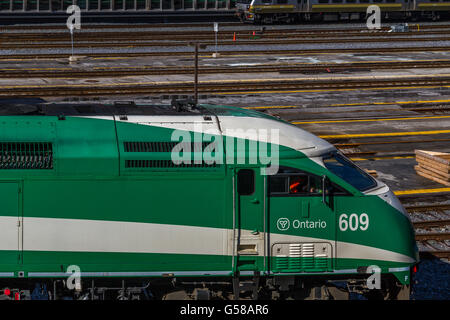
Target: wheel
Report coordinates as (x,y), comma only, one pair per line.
(337,293)
(392,291)
(402,293)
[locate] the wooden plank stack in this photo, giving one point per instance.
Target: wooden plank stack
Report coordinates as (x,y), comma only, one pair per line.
(434,166)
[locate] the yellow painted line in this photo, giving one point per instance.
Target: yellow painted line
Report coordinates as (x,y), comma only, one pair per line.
(34,69)
(385,134)
(272,107)
(382,158)
(369,120)
(330,90)
(428,5)
(418,191)
(392,102)
(338,6)
(113,58)
(355,104)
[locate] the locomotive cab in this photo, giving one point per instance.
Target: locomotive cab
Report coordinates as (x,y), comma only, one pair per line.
(345,221)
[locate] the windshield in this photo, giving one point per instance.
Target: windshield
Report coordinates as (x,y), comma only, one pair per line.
(348,171)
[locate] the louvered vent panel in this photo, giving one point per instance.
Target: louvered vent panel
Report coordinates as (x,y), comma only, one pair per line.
(155,146)
(308,256)
(295,253)
(163,147)
(149,146)
(321,261)
(165,164)
(282,263)
(26,155)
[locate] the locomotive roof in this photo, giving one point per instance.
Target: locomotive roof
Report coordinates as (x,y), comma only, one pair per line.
(38,107)
(229,118)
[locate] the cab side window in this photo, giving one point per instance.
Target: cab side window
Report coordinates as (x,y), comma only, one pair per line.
(298,184)
(294,182)
(246,182)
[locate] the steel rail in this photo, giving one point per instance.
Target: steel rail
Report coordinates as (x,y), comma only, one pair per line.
(206,35)
(156,70)
(159,30)
(427,207)
(171,43)
(196,24)
(431,223)
(436,236)
(225,53)
(356,144)
(233,86)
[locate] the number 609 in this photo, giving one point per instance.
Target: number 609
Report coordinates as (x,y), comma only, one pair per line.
(354,222)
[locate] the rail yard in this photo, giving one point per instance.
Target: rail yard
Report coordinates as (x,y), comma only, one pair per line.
(376,96)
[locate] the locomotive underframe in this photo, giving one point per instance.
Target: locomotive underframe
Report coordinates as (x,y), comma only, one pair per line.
(339,287)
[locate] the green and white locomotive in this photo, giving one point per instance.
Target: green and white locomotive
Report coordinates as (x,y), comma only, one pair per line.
(178,197)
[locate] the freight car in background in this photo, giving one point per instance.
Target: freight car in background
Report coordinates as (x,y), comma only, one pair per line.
(96,187)
(106,6)
(255,11)
(270,11)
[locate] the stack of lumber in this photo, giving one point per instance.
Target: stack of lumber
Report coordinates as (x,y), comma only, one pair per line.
(434,166)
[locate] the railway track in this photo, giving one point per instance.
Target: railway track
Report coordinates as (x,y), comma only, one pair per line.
(181,43)
(210,35)
(354,150)
(128,26)
(135,37)
(432,224)
(184,25)
(218,87)
(428,207)
(380,50)
(188,34)
(280,68)
(434,242)
(358,144)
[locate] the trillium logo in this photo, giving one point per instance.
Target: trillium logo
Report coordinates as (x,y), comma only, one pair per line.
(283,224)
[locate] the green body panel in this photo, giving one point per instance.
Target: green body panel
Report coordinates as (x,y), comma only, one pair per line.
(91,182)
(388,229)
(10,198)
(124,262)
(134,200)
(92,151)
